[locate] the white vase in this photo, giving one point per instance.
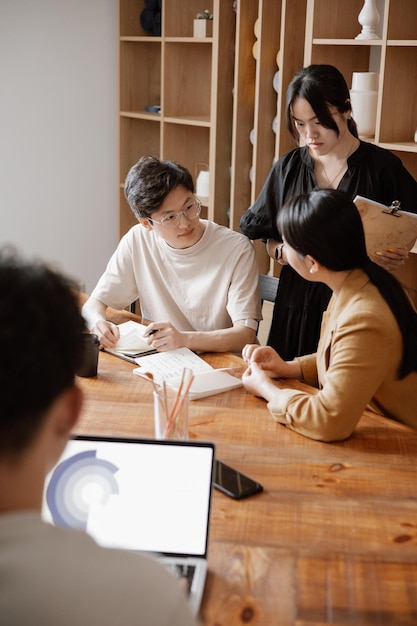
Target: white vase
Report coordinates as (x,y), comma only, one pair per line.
(364,105)
(203,28)
(364,100)
(365,81)
(203,184)
(368,18)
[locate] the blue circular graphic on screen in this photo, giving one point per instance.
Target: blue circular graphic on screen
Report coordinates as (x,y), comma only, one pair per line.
(77,482)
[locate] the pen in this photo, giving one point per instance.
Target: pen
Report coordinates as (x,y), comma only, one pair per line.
(151,332)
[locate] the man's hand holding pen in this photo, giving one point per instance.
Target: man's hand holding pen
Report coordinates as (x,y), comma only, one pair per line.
(163,336)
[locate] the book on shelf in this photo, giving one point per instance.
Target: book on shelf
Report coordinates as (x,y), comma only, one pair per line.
(386,227)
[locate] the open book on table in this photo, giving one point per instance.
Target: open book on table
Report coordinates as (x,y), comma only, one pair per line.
(131,343)
(168,366)
(386,227)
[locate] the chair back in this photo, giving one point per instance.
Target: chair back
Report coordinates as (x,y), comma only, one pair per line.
(268,286)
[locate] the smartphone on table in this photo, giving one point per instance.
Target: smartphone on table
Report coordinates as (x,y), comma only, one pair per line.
(233,483)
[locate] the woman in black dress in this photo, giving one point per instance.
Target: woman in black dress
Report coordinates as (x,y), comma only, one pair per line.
(330,155)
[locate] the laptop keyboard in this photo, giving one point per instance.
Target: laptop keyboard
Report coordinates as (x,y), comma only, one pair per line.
(183,572)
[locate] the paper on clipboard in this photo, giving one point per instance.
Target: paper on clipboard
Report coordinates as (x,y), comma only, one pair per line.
(385,229)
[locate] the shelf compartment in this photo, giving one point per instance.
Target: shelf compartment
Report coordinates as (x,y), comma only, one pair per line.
(188,145)
(187,80)
(138,137)
(399,112)
(140,74)
(129,17)
(346,59)
(179,20)
(402,20)
(337,19)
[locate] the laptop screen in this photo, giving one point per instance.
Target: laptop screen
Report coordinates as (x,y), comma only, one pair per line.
(134,494)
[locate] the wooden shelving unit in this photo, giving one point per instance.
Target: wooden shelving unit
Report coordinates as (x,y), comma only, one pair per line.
(257,140)
(191,79)
(393,56)
(331,28)
(219,107)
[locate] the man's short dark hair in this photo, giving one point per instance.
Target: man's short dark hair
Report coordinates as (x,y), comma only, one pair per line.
(40,338)
(149,182)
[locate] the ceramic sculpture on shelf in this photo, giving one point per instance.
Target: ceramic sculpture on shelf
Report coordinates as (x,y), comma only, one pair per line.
(368,18)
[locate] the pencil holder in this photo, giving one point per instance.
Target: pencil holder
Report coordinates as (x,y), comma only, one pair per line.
(170,414)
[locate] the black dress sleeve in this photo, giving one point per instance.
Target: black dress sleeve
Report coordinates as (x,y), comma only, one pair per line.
(292,174)
(259,221)
(379,175)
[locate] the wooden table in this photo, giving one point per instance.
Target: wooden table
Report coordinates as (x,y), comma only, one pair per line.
(333,537)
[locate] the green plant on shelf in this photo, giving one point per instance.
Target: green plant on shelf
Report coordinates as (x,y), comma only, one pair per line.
(205,15)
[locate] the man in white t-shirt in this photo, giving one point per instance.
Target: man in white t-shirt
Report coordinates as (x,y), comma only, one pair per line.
(196,281)
(51,576)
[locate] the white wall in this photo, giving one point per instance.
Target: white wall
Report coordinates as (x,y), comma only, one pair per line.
(58,132)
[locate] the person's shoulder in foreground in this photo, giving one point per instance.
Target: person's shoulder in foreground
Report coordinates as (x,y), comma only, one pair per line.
(53,576)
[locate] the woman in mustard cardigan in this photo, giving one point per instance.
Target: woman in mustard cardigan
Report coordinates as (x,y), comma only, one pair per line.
(367,353)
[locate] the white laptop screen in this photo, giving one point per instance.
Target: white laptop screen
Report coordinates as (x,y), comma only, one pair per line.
(134,494)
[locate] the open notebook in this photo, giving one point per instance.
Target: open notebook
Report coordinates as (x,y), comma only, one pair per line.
(141,495)
(131,343)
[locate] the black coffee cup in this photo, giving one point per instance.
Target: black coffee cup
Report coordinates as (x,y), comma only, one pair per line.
(91,346)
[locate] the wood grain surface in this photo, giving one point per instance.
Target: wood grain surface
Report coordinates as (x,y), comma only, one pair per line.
(332,540)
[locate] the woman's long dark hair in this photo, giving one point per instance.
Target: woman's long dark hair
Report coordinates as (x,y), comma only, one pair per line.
(322,86)
(326,225)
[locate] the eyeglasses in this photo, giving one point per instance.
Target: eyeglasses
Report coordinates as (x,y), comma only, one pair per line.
(172,220)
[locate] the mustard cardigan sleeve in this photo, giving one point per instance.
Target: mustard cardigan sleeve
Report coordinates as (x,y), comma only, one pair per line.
(358,353)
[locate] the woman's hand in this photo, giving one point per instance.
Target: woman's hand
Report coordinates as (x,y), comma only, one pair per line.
(267,359)
(258,382)
(391,259)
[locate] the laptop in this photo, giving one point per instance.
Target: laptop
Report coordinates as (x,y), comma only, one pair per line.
(138,494)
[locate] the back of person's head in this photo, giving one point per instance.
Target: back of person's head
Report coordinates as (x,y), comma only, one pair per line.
(323,86)
(40,336)
(326,225)
(149,182)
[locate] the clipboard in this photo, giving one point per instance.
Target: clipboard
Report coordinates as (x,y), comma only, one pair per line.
(386,227)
